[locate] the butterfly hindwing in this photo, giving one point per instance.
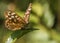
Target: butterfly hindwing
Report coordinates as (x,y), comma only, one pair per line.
(13,21)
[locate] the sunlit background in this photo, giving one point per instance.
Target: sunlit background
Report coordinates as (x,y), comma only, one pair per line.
(45,16)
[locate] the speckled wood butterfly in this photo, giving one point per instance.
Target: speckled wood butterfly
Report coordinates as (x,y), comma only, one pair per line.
(14,22)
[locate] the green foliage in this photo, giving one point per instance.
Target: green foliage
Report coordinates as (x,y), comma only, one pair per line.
(41,11)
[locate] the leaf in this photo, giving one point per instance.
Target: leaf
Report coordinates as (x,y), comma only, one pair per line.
(18,34)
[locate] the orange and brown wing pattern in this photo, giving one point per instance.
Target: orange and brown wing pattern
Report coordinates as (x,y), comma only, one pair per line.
(13,21)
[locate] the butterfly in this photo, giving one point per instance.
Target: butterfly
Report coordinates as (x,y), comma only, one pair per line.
(14,22)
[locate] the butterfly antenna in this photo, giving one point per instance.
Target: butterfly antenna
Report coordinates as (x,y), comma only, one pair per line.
(27,13)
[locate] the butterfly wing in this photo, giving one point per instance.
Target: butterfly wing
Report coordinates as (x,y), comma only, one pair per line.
(13,21)
(27,13)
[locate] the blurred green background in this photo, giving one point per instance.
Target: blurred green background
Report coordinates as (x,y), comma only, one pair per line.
(45,16)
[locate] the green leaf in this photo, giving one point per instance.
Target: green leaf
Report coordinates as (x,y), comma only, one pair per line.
(18,34)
